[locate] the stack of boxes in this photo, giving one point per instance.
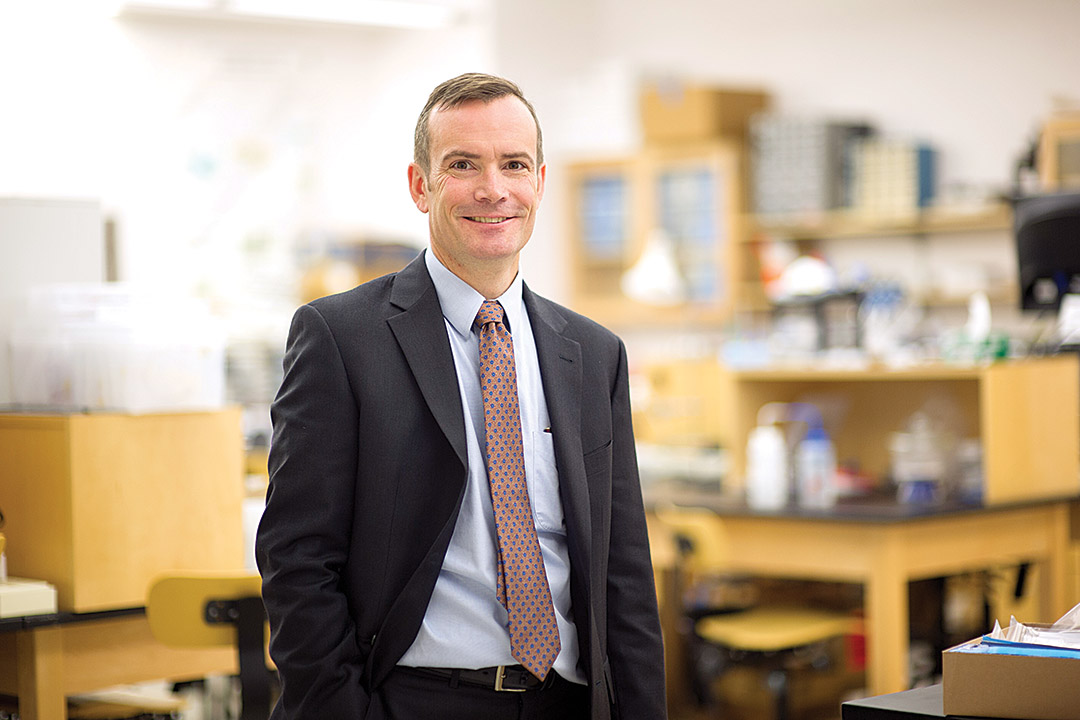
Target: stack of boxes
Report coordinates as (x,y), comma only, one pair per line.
(801,166)
(676,112)
(806,167)
(893,178)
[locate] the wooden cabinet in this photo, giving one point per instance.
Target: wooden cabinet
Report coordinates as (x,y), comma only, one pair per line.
(98,504)
(692,194)
(687,403)
(1025,413)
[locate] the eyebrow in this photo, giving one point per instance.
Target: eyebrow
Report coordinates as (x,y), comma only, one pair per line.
(476,156)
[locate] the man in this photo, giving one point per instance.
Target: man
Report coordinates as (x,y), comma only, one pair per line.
(396,588)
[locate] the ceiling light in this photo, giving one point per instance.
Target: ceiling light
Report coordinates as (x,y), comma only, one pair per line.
(385,13)
(380,13)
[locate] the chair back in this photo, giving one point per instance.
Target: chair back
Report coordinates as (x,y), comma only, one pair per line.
(210,609)
(177,606)
(700,537)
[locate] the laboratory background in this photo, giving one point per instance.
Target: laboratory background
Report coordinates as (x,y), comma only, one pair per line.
(840,239)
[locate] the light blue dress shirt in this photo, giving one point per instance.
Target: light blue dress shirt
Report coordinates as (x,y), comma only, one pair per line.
(465,625)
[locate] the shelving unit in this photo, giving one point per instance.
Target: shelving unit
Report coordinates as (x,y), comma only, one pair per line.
(817,231)
(1025,413)
(850,224)
(615,203)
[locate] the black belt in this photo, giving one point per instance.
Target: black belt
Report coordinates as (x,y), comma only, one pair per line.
(503,678)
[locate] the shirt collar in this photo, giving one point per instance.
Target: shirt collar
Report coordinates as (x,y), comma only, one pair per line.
(460,301)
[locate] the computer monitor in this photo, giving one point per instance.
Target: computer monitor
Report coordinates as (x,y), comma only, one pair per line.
(1047,233)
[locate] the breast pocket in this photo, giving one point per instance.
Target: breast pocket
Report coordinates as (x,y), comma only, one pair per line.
(543,485)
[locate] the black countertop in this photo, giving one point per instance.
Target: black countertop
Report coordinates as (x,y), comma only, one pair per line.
(881,508)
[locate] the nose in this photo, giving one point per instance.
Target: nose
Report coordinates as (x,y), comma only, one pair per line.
(490,186)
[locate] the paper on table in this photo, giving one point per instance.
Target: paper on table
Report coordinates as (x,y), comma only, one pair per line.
(1064,633)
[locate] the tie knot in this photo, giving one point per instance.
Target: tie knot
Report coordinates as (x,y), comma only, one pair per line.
(490,311)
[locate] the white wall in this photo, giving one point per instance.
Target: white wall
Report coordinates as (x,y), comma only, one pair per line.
(203,138)
(974,77)
(221,149)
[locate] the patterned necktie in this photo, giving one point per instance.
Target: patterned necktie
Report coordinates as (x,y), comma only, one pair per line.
(522,585)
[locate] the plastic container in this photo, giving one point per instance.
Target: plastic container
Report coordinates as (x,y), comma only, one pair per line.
(767,485)
(969,472)
(815,470)
(112,347)
(918,463)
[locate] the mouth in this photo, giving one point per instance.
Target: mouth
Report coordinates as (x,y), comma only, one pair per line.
(488,220)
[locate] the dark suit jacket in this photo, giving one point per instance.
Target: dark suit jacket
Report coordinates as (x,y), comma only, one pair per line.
(367,474)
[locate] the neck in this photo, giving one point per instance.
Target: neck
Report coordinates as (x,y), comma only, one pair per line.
(490,279)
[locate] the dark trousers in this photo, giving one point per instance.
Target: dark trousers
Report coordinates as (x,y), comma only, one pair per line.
(408,695)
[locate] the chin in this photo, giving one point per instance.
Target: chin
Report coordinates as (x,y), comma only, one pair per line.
(497,250)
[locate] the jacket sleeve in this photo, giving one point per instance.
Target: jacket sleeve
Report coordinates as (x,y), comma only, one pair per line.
(303,537)
(635,646)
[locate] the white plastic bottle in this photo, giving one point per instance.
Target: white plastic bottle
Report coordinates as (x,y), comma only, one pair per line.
(767,463)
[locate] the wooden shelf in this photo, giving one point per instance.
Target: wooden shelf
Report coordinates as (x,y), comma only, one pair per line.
(1005,294)
(871,374)
(752,297)
(851,224)
(819,229)
(621,313)
(1025,413)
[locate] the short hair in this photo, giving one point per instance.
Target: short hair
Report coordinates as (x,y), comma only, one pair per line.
(458,91)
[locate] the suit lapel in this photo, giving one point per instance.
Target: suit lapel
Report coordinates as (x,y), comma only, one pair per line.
(560,373)
(421,333)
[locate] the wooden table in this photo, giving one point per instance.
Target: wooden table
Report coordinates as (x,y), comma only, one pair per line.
(44,659)
(884,546)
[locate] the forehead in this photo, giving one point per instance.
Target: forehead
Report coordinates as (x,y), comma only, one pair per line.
(503,125)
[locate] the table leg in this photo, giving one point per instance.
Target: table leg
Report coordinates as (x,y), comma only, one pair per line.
(39,672)
(1053,584)
(887,622)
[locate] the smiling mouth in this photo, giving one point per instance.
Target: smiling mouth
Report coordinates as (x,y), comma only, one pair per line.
(488,220)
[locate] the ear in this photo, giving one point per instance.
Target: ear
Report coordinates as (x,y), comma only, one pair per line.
(418,187)
(541,177)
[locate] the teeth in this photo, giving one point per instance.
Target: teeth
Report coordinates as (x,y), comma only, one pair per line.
(487,219)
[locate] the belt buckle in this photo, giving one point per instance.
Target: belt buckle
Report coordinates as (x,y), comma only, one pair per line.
(500,673)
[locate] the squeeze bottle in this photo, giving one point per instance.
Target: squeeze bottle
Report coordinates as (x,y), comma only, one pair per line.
(815,469)
(767,463)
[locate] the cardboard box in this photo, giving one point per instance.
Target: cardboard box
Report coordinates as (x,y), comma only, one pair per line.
(998,685)
(682,112)
(99,504)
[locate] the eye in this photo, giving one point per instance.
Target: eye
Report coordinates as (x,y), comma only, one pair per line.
(459,165)
(516,165)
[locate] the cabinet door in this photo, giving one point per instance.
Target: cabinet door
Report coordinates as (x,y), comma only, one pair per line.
(602,225)
(693,200)
(690,195)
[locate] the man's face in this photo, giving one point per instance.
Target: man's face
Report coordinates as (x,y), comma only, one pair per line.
(484,185)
